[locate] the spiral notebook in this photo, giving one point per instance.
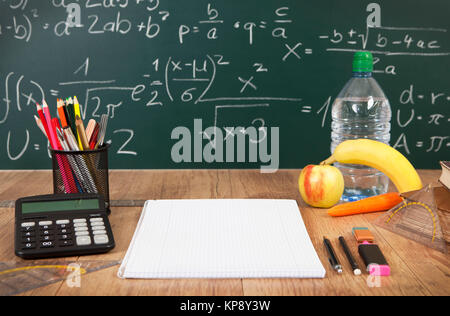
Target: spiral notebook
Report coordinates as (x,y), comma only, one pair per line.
(221,239)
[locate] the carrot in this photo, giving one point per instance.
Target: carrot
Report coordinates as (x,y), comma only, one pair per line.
(377,203)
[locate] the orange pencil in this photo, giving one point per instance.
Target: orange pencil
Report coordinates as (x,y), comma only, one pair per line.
(62,115)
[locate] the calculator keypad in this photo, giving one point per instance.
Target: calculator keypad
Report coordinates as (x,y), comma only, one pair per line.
(28,225)
(64,233)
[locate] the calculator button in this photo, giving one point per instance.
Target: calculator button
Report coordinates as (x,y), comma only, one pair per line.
(96,220)
(66,243)
(101,239)
(46,223)
(98,228)
(28,229)
(97,224)
(47,244)
(82,234)
(29,246)
(84,241)
(80,225)
(81,220)
(28,240)
(99,232)
(30,224)
(81,229)
(65,237)
(64,231)
(47,238)
(29,234)
(63,222)
(47,227)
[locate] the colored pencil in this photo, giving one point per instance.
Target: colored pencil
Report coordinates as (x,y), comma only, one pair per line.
(77,107)
(94,137)
(71,111)
(77,112)
(48,120)
(82,133)
(39,124)
(43,120)
(66,113)
(62,115)
(90,129)
(71,140)
(55,126)
(102,133)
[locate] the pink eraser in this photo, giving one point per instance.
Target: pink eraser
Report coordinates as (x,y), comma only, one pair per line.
(378,270)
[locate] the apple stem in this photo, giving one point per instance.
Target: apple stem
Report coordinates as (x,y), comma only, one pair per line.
(329,161)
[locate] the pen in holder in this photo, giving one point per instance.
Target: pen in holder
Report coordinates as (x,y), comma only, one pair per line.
(81,172)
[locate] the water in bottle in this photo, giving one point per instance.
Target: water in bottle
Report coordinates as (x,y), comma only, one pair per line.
(361,110)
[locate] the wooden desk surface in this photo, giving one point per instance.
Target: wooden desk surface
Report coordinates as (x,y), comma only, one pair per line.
(417,270)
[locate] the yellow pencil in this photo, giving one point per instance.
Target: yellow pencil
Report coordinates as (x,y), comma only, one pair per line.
(76,107)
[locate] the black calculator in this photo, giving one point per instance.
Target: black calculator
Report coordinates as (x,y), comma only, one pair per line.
(66,225)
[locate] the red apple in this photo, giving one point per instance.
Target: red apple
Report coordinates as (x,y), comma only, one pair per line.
(321,186)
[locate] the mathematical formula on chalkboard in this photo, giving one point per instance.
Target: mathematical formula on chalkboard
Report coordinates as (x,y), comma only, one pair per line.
(154,65)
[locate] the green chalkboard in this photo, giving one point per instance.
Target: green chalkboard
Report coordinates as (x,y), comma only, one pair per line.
(161,69)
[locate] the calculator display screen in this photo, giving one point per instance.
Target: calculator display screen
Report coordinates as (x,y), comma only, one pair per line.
(60,206)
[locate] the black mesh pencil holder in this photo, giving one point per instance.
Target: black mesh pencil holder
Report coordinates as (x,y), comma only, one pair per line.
(76,172)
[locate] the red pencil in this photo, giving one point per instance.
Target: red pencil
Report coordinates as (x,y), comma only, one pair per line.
(93,140)
(51,132)
(55,123)
(43,120)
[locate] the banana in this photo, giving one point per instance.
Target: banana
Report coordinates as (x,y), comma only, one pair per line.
(379,156)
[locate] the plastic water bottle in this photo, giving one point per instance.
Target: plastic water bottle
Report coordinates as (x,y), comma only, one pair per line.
(361,110)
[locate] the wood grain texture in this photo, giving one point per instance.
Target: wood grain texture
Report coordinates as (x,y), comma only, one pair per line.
(417,270)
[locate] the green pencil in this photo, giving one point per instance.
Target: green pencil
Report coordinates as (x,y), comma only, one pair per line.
(71,110)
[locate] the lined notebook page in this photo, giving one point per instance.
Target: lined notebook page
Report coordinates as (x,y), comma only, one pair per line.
(221,239)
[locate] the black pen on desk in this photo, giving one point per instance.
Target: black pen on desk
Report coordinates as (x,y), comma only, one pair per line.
(332,256)
(351,259)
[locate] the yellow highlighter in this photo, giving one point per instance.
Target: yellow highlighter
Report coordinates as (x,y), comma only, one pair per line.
(76,106)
